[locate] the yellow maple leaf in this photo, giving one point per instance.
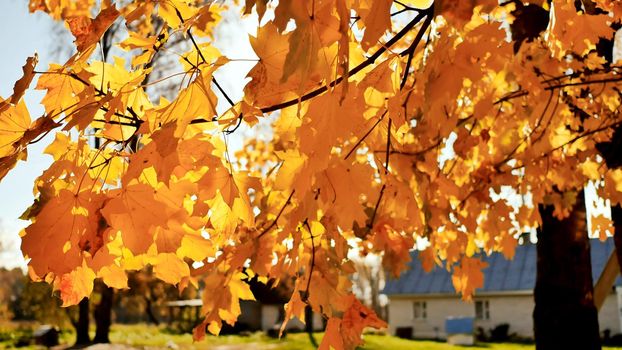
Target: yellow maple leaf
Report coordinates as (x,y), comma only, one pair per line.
(135,212)
(76,285)
(170,268)
(23,83)
(64,228)
(113,276)
(88,31)
(601,226)
(468,276)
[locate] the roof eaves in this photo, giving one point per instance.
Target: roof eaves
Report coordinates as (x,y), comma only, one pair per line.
(524,292)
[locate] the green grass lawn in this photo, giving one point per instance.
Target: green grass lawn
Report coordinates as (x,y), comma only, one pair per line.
(151,337)
(140,336)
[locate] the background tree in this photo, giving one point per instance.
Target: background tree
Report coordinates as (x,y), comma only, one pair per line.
(368,281)
(564,296)
(36,302)
(12,284)
(377,140)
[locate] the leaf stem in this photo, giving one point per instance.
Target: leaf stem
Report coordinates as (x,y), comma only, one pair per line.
(267,229)
(365,136)
(305,295)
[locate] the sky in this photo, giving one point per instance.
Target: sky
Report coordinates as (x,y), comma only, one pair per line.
(23,35)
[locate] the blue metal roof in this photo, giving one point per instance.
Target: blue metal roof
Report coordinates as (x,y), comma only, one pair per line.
(501,275)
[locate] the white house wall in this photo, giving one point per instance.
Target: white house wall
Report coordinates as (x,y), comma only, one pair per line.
(515,310)
(609,315)
(438,309)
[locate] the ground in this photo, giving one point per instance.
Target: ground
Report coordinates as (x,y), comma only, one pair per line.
(133,337)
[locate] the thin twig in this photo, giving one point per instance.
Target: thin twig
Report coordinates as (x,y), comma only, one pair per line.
(373,216)
(267,229)
(365,136)
(413,46)
(200,53)
(386,162)
(305,295)
(521,93)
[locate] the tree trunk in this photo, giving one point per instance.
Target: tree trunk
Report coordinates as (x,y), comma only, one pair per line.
(565,316)
(616,217)
(149,311)
(309,325)
(613,158)
(82,326)
(103,315)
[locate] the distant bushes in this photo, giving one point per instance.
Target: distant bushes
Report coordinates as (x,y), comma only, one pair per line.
(500,334)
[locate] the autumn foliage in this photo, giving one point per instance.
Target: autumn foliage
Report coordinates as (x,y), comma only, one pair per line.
(394,122)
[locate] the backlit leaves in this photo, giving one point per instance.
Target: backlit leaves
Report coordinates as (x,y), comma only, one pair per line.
(88,31)
(380,125)
(135,212)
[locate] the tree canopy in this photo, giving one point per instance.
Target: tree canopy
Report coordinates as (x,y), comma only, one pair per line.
(441,123)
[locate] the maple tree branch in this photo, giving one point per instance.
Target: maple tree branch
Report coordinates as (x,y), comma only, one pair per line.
(585,134)
(97,153)
(373,216)
(222,91)
(99,93)
(42,136)
(200,53)
(237,125)
(369,61)
(579,73)
(100,163)
(305,294)
(386,162)
(569,142)
(587,82)
(393,14)
(114,122)
(521,93)
(536,127)
(415,153)
(552,89)
(57,124)
(267,229)
(162,40)
(539,137)
(413,46)
(477,188)
(365,136)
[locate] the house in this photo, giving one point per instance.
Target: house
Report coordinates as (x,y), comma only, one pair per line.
(420,302)
(255,316)
(266,313)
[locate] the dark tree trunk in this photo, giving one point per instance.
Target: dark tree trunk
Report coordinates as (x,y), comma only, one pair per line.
(565,316)
(309,325)
(616,217)
(82,325)
(308,319)
(149,311)
(611,152)
(103,315)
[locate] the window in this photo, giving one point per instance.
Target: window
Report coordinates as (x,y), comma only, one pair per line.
(482,310)
(420,310)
